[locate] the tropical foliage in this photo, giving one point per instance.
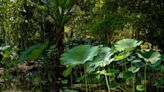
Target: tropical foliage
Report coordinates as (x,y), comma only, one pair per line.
(81,45)
(125,55)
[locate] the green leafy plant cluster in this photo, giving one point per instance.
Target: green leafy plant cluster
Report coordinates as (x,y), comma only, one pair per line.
(9,55)
(83,41)
(124,65)
(24,70)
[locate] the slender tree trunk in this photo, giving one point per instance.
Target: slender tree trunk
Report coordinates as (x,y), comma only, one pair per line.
(42,34)
(60,44)
(58,67)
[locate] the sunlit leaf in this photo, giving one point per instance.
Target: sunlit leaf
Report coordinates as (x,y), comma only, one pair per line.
(155,65)
(126,44)
(67,71)
(104,72)
(140,88)
(149,56)
(133,69)
(121,56)
(79,55)
(101,60)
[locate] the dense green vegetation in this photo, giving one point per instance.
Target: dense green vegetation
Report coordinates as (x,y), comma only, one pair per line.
(81,45)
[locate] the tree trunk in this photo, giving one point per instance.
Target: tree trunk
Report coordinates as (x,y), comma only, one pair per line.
(60,44)
(58,67)
(42,32)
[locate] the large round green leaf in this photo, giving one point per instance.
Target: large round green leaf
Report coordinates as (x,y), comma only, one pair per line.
(79,55)
(126,44)
(150,56)
(101,60)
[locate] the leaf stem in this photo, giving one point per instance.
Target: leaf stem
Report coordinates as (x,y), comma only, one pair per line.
(133,84)
(107,83)
(145,82)
(85,74)
(125,65)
